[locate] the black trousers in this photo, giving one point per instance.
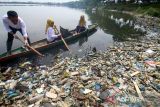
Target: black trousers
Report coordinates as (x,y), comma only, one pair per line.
(11,37)
(80,29)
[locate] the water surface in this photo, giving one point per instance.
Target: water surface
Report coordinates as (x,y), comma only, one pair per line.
(112,27)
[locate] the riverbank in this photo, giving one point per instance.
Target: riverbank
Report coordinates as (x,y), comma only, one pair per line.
(143,9)
(144,14)
(126,74)
(148,23)
(147,15)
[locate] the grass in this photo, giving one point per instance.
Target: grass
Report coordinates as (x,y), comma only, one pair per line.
(144,9)
(152,12)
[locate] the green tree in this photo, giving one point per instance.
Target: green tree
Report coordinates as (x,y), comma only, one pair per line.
(92,2)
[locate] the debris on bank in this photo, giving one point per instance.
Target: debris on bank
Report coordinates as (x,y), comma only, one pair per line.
(127,74)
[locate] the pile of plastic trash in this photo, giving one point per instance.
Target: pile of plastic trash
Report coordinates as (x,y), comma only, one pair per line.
(126,75)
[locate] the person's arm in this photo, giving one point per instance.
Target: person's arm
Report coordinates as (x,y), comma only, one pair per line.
(56,29)
(6,26)
(24,32)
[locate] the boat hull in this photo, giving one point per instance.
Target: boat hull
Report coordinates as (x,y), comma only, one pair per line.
(46,46)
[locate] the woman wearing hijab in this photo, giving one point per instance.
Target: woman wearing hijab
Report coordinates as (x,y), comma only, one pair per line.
(82,25)
(51,31)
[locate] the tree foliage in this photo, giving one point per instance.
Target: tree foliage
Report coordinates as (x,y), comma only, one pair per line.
(92,2)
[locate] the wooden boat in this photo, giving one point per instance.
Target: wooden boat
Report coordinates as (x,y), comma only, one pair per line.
(43,45)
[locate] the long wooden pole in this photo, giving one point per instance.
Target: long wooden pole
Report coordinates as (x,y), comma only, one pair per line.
(65,43)
(35,51)
(138,90)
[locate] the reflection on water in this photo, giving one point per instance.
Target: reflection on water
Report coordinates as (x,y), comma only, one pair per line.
(121,21)
(129,23)
(121,26)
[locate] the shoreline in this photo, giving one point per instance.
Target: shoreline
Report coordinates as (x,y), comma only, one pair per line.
(153,21)
(149,23)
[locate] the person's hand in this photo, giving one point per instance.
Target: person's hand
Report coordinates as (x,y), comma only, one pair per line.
(26,42)
(74,34)
(57,32)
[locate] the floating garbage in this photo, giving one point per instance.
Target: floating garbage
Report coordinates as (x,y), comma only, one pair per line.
(51,95)
(127,74)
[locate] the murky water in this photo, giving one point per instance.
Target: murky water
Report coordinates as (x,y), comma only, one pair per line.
(112,27)
(120,26)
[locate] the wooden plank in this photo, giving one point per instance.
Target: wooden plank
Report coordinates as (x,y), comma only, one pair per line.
(135,73)
(138,90)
